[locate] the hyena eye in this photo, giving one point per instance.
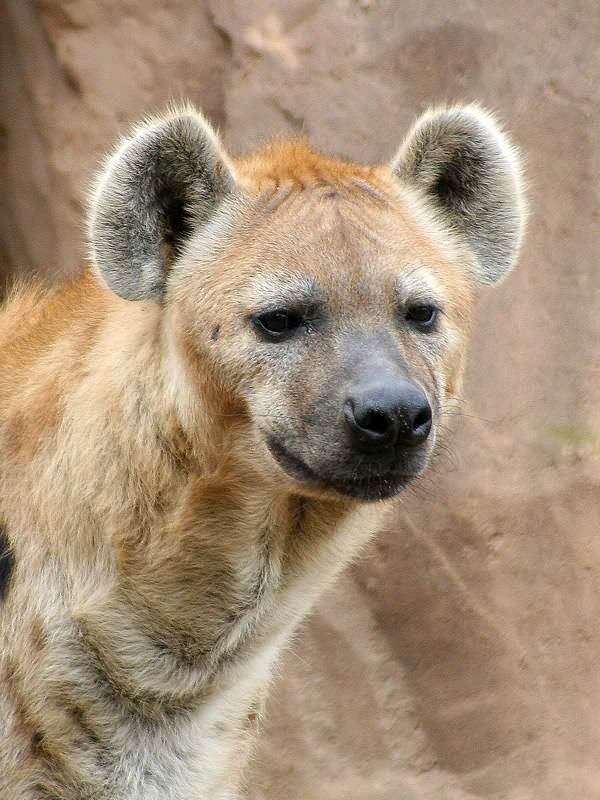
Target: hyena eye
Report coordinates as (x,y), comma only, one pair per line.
(278,324)
(423,316)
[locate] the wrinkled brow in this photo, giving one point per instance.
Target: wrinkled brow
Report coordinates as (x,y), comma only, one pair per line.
(417,284)
(286,291)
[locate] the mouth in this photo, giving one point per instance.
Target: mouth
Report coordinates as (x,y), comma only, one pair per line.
(372,486)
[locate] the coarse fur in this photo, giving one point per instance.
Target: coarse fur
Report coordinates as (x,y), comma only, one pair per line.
(200,431)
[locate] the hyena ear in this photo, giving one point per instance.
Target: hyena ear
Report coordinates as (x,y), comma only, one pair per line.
(464,165)
(165,180)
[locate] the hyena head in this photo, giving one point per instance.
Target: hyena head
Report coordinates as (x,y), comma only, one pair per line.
(320,307)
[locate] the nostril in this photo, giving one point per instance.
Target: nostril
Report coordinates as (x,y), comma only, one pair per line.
(376,422)
(368,424)
(421,426)
(422,420)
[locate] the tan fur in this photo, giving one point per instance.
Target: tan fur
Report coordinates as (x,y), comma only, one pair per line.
(162,555)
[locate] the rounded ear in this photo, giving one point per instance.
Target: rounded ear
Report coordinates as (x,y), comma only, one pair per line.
(166,179)
(463,164)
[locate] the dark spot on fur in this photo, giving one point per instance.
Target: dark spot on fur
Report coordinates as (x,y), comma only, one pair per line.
(215,334)
(10,669)
(7,563)
(252,716)
(41,748)
(79,716)
(37,743)
(39,635)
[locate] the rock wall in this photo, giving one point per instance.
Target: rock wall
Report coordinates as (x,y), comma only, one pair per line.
(459,658)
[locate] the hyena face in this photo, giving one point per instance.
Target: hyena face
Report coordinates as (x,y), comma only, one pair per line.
(332,301)
(345,398)
(342,337)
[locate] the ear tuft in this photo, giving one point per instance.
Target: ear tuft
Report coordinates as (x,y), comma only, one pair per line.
(464,165)
(162,182)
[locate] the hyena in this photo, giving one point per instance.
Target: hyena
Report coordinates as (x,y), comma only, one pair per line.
(199,431)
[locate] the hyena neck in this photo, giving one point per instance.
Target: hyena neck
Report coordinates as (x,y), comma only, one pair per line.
(190,612)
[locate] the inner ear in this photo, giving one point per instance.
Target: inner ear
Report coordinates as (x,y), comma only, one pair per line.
(457,178)
(166,180)
(178,224)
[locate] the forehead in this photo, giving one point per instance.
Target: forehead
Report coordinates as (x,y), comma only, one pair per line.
(311,228)
(330,240)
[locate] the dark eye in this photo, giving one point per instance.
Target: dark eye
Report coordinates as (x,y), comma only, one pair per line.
(423,316)
(278,324)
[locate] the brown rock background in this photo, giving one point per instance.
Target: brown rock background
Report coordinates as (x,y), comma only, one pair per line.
(461,657)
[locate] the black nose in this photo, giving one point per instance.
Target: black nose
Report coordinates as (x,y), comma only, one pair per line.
(382,416)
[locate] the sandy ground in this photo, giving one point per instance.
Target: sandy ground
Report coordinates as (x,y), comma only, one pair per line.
(459,659)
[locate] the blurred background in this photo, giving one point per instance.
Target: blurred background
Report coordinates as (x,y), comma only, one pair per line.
(460,658)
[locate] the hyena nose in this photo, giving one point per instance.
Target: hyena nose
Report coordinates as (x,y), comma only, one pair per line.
(384,416)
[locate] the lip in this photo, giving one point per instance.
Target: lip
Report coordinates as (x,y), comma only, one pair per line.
(378,487)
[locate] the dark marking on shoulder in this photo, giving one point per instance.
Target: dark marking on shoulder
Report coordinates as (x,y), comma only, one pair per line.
(7,563)
(215,334)
(8,674)
(39,635)
(79,716)
(42,748)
